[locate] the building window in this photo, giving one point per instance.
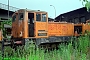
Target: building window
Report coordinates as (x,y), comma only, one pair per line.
(76,20)
(82,19)
(70,20)
(63,18)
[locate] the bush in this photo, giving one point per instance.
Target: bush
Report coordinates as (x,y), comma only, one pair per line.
(80,51)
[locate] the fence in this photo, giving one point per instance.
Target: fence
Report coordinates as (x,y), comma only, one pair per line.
(4,6)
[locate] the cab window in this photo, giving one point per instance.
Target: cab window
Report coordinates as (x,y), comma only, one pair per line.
(13,18)
(38,17)
(21,16)
(43,17)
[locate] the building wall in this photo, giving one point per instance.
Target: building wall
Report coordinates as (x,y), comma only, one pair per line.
(4,14)
(76,16)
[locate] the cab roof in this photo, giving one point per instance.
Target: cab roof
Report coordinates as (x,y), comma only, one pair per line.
(28,10)
(31,10)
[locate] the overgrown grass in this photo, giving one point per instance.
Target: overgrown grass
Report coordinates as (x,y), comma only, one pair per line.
(77,50)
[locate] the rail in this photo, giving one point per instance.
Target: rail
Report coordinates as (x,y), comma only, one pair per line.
(11,8)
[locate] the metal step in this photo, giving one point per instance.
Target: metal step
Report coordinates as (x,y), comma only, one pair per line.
(7,43)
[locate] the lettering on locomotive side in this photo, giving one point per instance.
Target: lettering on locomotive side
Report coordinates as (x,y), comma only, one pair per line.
(64,28)
(59,28)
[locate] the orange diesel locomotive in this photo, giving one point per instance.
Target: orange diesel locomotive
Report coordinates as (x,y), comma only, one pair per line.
(33,25)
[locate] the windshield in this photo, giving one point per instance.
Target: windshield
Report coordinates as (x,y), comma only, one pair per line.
(21,16)
(38,17)
(41,17)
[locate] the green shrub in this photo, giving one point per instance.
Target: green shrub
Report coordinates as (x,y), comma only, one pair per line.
(65,52)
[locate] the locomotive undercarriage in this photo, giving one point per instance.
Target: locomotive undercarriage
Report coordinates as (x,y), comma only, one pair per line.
(52,42)
(46,43)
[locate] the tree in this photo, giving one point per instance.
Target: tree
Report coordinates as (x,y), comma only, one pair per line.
(86,3)
(8,22)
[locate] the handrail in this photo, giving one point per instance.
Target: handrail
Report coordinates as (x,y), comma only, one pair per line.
(11,8)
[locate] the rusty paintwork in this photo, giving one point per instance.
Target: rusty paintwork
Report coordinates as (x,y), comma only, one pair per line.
(20,27)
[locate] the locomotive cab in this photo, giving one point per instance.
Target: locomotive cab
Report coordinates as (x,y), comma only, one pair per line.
(29,24)
(37,24)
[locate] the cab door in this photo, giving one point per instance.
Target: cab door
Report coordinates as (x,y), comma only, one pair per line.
(30,24)
(15,25)
(41,25)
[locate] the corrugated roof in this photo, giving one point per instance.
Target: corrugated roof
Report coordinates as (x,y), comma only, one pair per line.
(71,11)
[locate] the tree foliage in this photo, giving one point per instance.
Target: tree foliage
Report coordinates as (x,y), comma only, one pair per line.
(86,4)
(8,22)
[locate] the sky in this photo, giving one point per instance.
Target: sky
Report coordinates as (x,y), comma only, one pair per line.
(61,6)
